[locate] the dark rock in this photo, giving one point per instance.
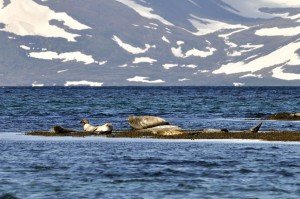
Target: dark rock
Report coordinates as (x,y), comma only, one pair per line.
(284,116)
(61,130)
(8,196)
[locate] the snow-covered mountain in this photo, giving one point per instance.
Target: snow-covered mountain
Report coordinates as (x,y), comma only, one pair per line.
(149,42)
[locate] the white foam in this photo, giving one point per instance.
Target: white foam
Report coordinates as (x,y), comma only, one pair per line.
(36,84)
(238,84)
(145,80)
(26,17)
(144,11)
(83,83)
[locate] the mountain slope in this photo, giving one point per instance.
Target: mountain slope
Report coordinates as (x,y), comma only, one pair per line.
(149,42)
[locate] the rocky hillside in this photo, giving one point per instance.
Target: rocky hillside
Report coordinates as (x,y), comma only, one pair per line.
(149,42)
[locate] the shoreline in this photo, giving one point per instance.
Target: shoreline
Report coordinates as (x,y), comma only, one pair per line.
(285,136)
(21,136)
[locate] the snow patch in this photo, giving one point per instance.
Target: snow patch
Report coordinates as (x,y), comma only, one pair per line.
(179,43)
(28,18)
(123,66)
(131,49)
(293,31)
(177,52)
(65,57)
(168,66)
(144,11)
(253,9)
(183,79)
(25,47)
(62,71)
(280,74)
(101,62)
(149,60)
(150,27)
(145,80)
(251,75)
(164,38)
(227,35)
(208,26)
(189,66)
(199,53)
(247,48)
(284,55)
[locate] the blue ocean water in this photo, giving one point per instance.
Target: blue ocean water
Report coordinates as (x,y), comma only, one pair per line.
(26,109)
(39,167)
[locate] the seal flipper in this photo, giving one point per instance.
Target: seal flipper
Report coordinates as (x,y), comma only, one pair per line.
(256,128)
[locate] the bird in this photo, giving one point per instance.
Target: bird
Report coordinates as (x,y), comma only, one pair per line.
(106,128)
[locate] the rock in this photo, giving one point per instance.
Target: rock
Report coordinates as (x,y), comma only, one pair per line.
(284,116)
(144,122)
(61,130)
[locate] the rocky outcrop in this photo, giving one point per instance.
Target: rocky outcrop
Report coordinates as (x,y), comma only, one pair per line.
(284,116)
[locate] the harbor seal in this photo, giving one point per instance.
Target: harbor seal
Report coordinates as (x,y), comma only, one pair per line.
(106,128)
(145,122)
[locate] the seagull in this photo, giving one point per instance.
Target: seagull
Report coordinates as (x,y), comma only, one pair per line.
(106,128)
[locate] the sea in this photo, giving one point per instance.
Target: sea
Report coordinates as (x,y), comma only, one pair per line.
(99,167)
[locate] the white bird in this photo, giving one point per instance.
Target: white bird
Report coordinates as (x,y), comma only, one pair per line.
(106,128)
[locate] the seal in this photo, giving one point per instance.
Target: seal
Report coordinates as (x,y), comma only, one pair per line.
(145,122)
(106,128)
